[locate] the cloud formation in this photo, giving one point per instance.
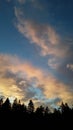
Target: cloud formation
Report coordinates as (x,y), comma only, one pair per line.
(29,81)
(53,46)
(22,80)
(43,36)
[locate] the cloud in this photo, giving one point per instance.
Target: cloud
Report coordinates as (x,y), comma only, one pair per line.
(45,37)
(19,78)
(16,77)
(45,31)
(70,66)
(41,35)
(53,63)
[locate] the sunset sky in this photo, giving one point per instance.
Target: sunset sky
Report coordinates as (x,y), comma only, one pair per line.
(36,51)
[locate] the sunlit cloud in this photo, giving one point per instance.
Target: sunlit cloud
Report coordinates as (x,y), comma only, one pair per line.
(19,78)
(43,36)
(22,79)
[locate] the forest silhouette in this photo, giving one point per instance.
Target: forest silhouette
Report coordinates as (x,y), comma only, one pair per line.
(18,114)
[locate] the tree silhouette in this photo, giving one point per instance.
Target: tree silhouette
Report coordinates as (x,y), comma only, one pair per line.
(1,102)
(15,105)
(6,106)
(47,111)
(30,107)
(64,108)
(40,110)
(41,115)
(23,108)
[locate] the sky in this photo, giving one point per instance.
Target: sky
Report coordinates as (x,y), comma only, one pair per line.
(36,51)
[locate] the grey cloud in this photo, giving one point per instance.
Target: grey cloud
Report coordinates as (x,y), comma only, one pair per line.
(29,94)
(8,74)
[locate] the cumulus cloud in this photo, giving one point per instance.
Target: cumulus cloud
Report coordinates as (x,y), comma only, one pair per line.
(22,80)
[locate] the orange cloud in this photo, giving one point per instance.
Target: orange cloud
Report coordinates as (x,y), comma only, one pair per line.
(13,83)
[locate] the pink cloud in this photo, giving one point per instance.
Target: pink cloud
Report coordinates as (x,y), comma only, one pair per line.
(43,36)
(49,85)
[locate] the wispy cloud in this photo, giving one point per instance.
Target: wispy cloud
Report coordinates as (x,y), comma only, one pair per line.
(43,36)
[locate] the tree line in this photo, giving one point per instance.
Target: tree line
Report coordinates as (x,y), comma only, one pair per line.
(17,111)
(17,106)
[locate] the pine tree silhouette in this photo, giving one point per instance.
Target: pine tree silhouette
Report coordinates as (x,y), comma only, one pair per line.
(30,107)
